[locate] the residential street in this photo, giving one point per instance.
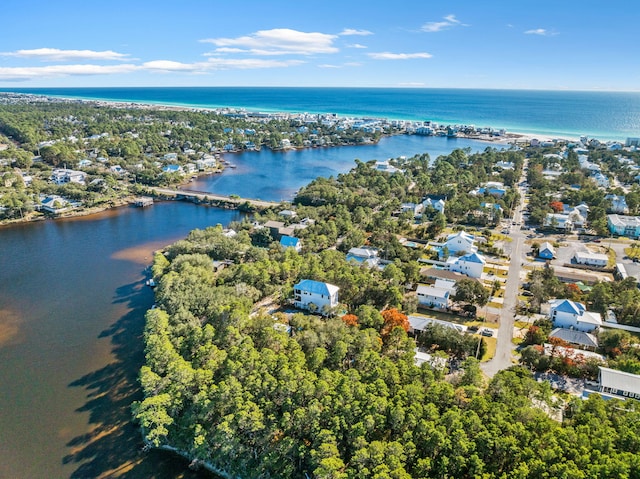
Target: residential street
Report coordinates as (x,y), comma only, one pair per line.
(503,358)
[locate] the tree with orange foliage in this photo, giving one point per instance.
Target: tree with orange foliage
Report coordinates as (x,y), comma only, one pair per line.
(392,318)
(557,206)
(557,342)
(350,320)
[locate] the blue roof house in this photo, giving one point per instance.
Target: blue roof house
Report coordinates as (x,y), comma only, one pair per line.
(172,169)
(315,295)
(291,242)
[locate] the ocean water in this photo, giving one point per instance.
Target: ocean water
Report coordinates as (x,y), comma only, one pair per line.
(566,114)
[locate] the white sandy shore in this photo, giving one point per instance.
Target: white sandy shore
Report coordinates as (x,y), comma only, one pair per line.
(510,137)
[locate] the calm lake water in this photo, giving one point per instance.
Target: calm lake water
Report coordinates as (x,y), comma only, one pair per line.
(277,175)
(72,303)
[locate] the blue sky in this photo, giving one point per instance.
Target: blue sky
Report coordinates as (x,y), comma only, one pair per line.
(522,44)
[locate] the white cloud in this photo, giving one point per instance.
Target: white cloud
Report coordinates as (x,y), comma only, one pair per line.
(352,31)
(398,56)
(171,66)
(356,45)
(57,55)
(27,73)
(448,22)
(157,66)
(217,63)
(540,31)
(327,65)
(248,63)
(279,41)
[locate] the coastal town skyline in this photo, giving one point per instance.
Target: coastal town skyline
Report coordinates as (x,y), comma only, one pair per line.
(529,45)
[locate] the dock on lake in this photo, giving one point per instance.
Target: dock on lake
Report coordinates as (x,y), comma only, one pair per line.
(208,196)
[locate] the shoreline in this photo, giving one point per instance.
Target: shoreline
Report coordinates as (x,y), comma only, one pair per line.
(511,136)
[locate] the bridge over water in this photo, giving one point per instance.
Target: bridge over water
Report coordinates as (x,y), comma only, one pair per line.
(204,195)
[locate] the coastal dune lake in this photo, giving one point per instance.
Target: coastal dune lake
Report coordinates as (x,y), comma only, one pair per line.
(72,304)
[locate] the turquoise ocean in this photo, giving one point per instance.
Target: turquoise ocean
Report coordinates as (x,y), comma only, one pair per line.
(563,114)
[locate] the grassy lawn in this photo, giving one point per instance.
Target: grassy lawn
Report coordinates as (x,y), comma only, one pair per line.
(522,324)
(494,305)
(492,343)
(443,316)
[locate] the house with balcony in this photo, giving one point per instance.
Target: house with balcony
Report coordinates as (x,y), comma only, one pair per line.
(437,295)
(619,383)
(471,264)
(568,314)
(62,176)
(621,225)
(460,242)
(315,295)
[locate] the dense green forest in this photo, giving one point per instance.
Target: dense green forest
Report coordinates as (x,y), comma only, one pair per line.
(258,395)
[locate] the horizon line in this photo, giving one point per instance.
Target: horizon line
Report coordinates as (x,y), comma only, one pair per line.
(395,87)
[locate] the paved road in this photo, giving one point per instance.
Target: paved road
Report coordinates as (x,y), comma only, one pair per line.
(504,348)
(503,358)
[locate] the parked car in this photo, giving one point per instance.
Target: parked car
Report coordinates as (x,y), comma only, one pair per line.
(487,332)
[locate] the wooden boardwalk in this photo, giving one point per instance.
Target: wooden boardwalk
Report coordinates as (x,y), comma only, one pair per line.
(202,195)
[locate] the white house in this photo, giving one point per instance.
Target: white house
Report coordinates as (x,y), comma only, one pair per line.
(619,383)
(471,264)
(571,315)
(291,242)
(436,296)
(577,214)
(618,203)
(315,295)
(61,176)
(415,209)
(460,242)
(288,214)
(558,220)
(54,204)
(591,259)
(437,205)
(386,166)
(505,165)
(624,225)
